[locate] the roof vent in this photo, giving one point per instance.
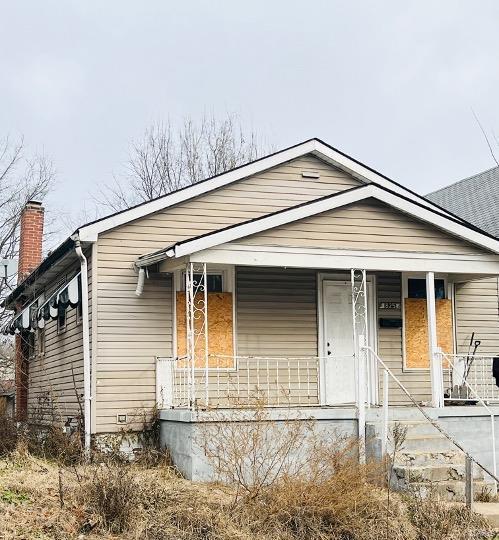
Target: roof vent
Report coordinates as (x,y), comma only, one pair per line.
(310,174)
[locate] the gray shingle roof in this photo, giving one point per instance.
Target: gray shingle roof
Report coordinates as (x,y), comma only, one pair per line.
(475,199)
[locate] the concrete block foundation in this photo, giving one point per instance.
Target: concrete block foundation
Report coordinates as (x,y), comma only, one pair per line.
(182,431)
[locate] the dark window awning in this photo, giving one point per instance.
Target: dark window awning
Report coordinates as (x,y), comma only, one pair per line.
(38,312)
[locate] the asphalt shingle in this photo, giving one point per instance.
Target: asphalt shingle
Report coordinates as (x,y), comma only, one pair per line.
(475,199)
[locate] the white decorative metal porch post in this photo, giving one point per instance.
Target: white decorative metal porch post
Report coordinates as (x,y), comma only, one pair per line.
(360,342)
(196,303)
(437,395)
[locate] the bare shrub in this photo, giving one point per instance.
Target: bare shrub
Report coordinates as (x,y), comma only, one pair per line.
(110,491)
(8,435)
(53,443)
(138,443)
(437,520)
(248,449)
(334,497)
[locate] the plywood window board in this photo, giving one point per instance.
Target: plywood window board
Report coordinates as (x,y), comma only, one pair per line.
(416,331)
(220,330)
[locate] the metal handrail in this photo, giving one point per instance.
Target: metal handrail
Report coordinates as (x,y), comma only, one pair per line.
(433,422)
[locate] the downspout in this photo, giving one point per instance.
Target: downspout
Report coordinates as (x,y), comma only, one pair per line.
(86,344)
(140,281)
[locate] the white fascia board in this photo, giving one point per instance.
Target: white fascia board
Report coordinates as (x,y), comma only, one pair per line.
(442,222)
(363,173)
(345,260)
(90,232)
(330,203)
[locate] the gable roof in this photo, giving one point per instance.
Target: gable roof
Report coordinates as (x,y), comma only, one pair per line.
(453,226)
(90,231)
(475,199)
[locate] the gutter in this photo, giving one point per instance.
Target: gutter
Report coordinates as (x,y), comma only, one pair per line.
(87,374)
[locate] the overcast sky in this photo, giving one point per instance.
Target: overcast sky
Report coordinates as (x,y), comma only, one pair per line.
(392,83)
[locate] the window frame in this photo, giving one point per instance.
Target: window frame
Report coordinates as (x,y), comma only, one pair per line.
(449,295)
(228,286)
(61,328)
(31,346)
(211,272)
(40,340)
(79,313)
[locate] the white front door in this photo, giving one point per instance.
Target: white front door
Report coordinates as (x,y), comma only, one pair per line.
(339,362)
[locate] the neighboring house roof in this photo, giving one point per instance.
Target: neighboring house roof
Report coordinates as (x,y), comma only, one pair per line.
(233,232)
(89,232)
(475,199)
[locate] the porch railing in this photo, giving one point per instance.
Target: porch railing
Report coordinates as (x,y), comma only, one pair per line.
(468,378)
(447,367)
(238,381)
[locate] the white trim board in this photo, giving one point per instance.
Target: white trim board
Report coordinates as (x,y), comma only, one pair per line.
(332,202)
(90,232)
(337,259)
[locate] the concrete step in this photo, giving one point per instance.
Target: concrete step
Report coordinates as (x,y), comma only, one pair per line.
(423,458)
(490,511)
(452,490)
(433,473)
(428,443)
(423,428)
(414,427)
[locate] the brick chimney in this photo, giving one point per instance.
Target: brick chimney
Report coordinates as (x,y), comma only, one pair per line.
(30,256)
(30,243)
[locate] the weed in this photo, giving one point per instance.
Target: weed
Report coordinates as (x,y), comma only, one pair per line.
(13,497)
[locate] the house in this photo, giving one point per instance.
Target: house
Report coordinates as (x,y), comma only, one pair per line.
(299,280)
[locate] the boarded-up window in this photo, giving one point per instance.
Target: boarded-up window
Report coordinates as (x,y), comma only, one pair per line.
(416,330)
(220,330)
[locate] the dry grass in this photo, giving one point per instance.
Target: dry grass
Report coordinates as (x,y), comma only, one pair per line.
(437,520)
(335,499)
(267,494)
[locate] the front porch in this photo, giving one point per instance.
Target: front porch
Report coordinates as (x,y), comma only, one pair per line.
(317,337)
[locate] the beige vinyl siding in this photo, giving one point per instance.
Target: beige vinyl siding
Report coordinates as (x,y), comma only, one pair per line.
(131,330)
(366,225)
(389,289)
(477,310)
(276,312)
(56,377)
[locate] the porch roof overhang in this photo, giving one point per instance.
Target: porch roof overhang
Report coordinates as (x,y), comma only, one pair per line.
(463,267)
(221,246)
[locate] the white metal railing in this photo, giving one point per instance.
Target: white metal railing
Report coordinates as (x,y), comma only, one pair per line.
(468,378)
(447,365)
(238,381)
